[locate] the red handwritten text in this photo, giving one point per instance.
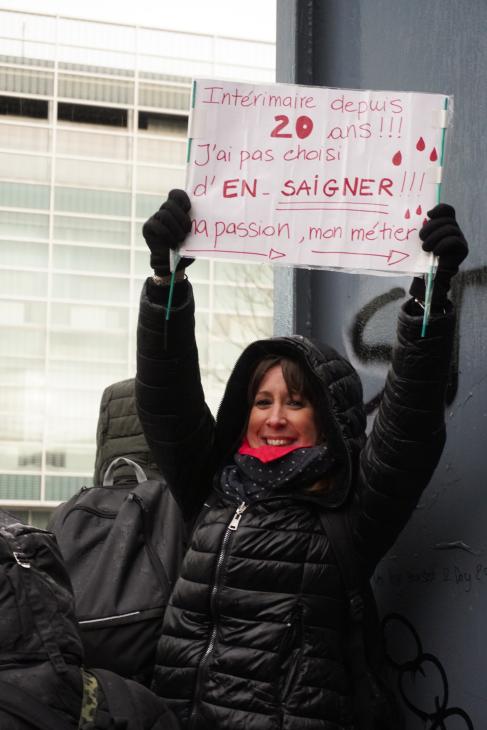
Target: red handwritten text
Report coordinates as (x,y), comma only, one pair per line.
(349,186)
(351,131)
(238,229)
(216,95)
(325,154)
(207,153)
(303,126)
(366,106)
(237,188)
(381,232)
(316,232)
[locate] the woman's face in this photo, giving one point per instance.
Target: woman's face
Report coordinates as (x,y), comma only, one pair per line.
(280,418)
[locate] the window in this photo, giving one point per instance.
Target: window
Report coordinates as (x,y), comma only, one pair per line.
(85,114)
(165,123)
(96,202)
(22,195)
(13,106)
(91,230)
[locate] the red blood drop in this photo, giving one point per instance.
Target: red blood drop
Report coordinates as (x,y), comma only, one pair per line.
(425,221)
(434,155)
(407,214)
(397,159)
(419,210)
(420,145)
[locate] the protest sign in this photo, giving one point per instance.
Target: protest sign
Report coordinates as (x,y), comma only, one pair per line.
(314,177)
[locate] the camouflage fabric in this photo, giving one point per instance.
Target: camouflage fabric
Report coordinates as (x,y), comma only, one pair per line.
(90,701)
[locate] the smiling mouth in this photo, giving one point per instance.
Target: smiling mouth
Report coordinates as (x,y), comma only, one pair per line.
(278,442)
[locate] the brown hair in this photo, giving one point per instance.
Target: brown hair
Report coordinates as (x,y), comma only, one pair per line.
(298,382)
(294,377)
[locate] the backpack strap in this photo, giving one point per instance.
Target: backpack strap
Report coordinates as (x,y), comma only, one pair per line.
(139,472)
(338,531)
(147,519)
(360,598)
(25,706)
(118,698)
(46,628)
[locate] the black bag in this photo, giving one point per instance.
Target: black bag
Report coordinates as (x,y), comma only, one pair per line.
(122,545)
(42,683)
(19,710)
(117,704)
(40,648)
(375,705)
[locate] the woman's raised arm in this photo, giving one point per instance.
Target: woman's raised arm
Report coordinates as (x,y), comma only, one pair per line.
(170,401)
(409,432)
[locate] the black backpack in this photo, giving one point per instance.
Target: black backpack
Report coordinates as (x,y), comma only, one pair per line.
(43,685)
(122,545)
(375,705)
(40,648)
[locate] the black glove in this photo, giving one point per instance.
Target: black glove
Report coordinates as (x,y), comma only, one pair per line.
(166,229)
(442,236)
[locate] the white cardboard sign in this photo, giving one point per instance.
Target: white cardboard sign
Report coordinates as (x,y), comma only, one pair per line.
(315,177)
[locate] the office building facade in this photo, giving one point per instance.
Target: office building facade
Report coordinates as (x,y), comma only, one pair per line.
(93,120)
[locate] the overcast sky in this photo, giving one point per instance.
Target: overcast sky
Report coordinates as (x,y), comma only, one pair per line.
(241,18)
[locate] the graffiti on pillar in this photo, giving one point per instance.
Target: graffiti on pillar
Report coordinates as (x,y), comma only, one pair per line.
(380,352)
(433,710)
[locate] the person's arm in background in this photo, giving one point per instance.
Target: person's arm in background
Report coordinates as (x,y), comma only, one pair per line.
(177,423)
(409,433)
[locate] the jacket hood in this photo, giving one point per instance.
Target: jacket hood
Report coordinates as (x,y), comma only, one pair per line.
(339,401)
(119,433)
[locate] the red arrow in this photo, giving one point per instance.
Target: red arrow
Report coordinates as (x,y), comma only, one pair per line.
(223,250)
(393,257)
(273,254)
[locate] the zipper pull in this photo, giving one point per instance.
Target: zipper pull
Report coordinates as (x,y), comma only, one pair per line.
(237,516)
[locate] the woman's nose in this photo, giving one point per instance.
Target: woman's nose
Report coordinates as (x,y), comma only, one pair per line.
(276,416)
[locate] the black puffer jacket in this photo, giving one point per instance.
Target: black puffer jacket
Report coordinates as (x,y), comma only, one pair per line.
(252,638)
(119,433)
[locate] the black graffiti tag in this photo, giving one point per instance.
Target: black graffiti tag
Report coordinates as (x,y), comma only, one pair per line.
(380,352)
(422,663)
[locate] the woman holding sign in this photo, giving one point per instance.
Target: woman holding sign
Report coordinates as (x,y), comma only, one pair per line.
(254,635)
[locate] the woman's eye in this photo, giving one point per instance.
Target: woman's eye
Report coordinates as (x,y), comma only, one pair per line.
(261,402)
(296,402)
